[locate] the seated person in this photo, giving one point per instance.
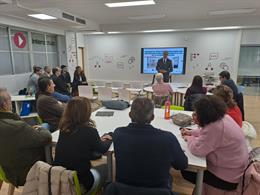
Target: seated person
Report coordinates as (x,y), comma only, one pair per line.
(196,87)
(78,141)
(48,108)
(226,94)
(194,93)
(221,141)
(145,154)
(161,88)
(20,144)
(225,79)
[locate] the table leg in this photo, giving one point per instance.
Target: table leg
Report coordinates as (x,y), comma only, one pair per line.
(199,182)
(110,166)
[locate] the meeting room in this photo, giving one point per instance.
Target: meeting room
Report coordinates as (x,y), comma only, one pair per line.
(129,97)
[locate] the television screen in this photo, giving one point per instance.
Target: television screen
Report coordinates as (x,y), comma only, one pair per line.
(150,57)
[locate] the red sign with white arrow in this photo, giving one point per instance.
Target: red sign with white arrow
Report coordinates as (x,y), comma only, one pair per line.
(19,40)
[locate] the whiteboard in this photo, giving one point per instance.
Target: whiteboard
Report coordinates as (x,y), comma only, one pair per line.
(118,57)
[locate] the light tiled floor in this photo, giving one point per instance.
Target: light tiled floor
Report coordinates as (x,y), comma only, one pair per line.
(252,110)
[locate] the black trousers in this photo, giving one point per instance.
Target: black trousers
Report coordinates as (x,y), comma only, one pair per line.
(210,179)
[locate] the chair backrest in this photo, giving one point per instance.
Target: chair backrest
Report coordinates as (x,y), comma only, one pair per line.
(122,189)
(137,85)
(104,93)
(191,100)
(159,101)
(124,94)
(108,84)
(240,103)
(126,85)
(85,91)
(2,175)
(100,83)
(117,84)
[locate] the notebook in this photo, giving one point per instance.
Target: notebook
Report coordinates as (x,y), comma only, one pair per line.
(105,113)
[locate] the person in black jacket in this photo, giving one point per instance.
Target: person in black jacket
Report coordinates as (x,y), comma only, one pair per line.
(60,85)
(78,79)
(79,140)
(145,154)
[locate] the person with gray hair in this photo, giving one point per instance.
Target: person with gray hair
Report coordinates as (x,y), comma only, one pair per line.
(160,88)
(20,144)
(144,154)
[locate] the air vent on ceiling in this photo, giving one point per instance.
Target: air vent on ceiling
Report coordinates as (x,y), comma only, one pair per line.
(68,16)
(81,21)
(3,3)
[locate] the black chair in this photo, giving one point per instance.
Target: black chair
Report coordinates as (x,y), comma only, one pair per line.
(240,103)
(190,101)
(123,189)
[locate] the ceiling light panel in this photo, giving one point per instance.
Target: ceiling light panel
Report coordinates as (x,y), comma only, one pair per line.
(130,3)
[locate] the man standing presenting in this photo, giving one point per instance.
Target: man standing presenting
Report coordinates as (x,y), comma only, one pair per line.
(164,66)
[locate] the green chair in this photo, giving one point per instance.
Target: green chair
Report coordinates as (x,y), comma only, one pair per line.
(77,186)
(3,179)
(174,107)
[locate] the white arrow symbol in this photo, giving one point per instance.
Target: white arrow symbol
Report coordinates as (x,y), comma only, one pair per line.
(20,40)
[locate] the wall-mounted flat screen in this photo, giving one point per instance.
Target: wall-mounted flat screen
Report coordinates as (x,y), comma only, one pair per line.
(150,57)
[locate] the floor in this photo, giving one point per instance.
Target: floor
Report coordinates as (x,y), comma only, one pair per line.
(252,109)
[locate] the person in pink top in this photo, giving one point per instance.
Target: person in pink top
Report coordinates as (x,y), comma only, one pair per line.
(220,140)
(161,88)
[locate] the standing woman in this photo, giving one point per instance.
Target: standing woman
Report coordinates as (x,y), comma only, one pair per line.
(78,141)
(79,79)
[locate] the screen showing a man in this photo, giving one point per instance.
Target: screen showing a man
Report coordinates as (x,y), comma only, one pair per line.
(164,66)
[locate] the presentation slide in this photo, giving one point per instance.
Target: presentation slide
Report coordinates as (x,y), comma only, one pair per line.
(150,57)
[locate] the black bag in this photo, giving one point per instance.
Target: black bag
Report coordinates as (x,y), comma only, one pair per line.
(116,104)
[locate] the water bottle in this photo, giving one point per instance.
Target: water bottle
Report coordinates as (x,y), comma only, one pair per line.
(167,107)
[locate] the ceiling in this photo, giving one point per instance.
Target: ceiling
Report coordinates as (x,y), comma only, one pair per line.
(179,14)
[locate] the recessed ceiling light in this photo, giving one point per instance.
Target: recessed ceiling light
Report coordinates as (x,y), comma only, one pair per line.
(114,32)
(146,17)
(155,31)
(221,28)
(42,16)
(232,11)
(130,3)
(95,33)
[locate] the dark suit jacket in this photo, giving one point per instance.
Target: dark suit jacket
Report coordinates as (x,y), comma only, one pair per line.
(165,66)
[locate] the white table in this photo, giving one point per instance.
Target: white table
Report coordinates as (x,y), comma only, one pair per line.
(18,99)
(106,124)
(179,90)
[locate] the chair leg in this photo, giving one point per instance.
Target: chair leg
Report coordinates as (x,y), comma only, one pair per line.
(1,183)
(11,189)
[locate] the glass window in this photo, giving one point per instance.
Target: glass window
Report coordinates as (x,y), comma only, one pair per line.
(4,42)
(40,59)
(51,41)
(21,62)
(38,42)
(52,59)
(5,63)
(19,40)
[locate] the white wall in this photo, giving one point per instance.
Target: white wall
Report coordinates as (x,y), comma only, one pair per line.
(108,50)
(14,83)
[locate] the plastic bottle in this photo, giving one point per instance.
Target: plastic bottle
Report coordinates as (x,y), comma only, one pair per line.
(167,111)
